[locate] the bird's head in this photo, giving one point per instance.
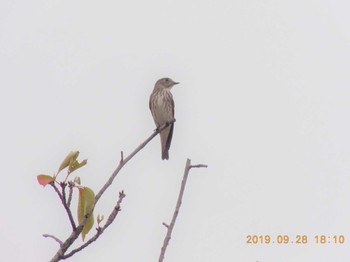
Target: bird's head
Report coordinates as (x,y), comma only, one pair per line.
(166,82)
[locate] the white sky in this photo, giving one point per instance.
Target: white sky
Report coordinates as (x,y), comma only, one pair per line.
(263,100)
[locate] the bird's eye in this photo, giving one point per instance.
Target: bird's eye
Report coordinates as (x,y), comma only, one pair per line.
(166,79)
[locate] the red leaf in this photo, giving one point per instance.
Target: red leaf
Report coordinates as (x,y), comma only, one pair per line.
(45,179)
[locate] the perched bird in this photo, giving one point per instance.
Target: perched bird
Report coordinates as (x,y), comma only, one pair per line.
(162,107)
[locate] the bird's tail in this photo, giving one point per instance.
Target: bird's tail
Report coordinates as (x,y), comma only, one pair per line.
(165,141)
(165,155)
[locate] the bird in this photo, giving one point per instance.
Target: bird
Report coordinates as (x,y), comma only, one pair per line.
(161,104)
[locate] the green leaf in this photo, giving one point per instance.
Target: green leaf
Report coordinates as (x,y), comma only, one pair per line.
(75,165)
(86,204)
(70,158)
(45,179)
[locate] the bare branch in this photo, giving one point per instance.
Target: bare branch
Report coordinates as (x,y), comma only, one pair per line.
(56,190)
(69,241)
(177,208)
(66,207)
(121,156)
(125,160)
(62,197)
(70,193)
(198,166)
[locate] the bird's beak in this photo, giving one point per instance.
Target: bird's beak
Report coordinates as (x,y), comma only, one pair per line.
(175,83)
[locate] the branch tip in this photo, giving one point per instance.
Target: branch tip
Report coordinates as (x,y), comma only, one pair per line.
(199,166)
(121,156)
(54,238)
(122,194)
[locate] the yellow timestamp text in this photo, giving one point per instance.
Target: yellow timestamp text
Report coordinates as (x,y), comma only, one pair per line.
(296,239)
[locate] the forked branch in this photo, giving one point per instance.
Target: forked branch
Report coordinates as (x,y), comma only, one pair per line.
(177,208)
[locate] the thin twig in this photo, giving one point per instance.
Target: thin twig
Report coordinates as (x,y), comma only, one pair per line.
(56,190)
(66,207)
(121,157)
(125,160)
(69,241)
(177,208)
(70,193)
(62,197)
(199,166)
(54,238)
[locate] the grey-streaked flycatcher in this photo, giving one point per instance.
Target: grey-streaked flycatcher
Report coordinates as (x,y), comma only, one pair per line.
(161,104)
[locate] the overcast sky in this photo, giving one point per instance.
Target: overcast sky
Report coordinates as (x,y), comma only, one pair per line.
(263,101)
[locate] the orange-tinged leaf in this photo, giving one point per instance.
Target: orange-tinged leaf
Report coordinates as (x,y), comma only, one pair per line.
(45,179)
(86,204)
(70,158)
